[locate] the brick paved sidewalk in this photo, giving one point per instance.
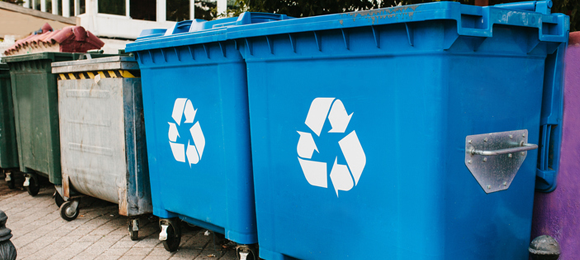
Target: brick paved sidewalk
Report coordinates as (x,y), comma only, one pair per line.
(98,233)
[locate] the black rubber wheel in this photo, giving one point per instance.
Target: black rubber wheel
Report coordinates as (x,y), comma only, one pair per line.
(173,234)
(66,212)
(10,185)
(133,234)
(11,182)
(58,199)
(33,186)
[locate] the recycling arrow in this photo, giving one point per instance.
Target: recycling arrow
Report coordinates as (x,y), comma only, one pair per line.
(354,155)
(343,177)
(173,132)
(338,117)
(195,146)
(189,112)
(178,107)
(315,172)
(317,114)
(340,177)
(306,145)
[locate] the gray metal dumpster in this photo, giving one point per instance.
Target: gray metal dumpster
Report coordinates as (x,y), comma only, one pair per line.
(102,135)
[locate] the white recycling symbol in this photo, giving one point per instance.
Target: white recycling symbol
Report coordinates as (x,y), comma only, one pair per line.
(343,177)
(181,107)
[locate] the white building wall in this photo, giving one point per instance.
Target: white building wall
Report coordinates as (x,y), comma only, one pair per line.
(116,26)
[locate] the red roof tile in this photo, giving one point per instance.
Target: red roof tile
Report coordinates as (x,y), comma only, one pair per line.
(69,39)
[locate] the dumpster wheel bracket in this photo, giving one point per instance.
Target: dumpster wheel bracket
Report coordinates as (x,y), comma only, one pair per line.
(170,233)
(134,229)
(31,184)
(69,210)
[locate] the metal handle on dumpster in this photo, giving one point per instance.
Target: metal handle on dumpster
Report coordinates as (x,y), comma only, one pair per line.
(85,55)
(494,159)
(522,148)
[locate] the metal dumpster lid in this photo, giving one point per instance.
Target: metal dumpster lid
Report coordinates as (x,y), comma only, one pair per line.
(96,64)
(53,56)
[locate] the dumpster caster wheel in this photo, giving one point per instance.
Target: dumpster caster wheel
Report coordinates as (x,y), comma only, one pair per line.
(247,252)
(69,210)
(9,180)
(134,229)
(58,199)
(31,184)
(170,234)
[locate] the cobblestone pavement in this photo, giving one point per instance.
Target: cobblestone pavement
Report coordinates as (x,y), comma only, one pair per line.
(98,233)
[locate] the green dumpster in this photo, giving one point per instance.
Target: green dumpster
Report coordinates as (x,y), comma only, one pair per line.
(8,149)
(35,95)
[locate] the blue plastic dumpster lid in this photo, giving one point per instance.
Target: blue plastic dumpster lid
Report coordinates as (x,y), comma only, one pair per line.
(533,14)
(197,31)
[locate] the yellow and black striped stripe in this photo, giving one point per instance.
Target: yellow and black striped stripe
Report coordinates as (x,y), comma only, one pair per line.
(102,73)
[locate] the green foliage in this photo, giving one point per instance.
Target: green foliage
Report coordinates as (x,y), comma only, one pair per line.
(571,8)
(205,10)
(178,10)
(303,8)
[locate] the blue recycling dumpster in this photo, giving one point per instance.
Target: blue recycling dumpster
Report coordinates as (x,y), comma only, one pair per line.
(402,133)
(195,103)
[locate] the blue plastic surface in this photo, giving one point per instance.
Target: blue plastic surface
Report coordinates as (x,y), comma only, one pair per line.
(190,32)
(152,32)
(414,81)
(542,6)
(211,184)
(552,113)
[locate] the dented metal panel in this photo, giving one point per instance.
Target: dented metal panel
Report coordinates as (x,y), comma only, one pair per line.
(138,188)
(102,137)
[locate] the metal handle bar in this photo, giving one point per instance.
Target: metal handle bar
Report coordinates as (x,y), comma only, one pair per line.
(524,147)
(85,55)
